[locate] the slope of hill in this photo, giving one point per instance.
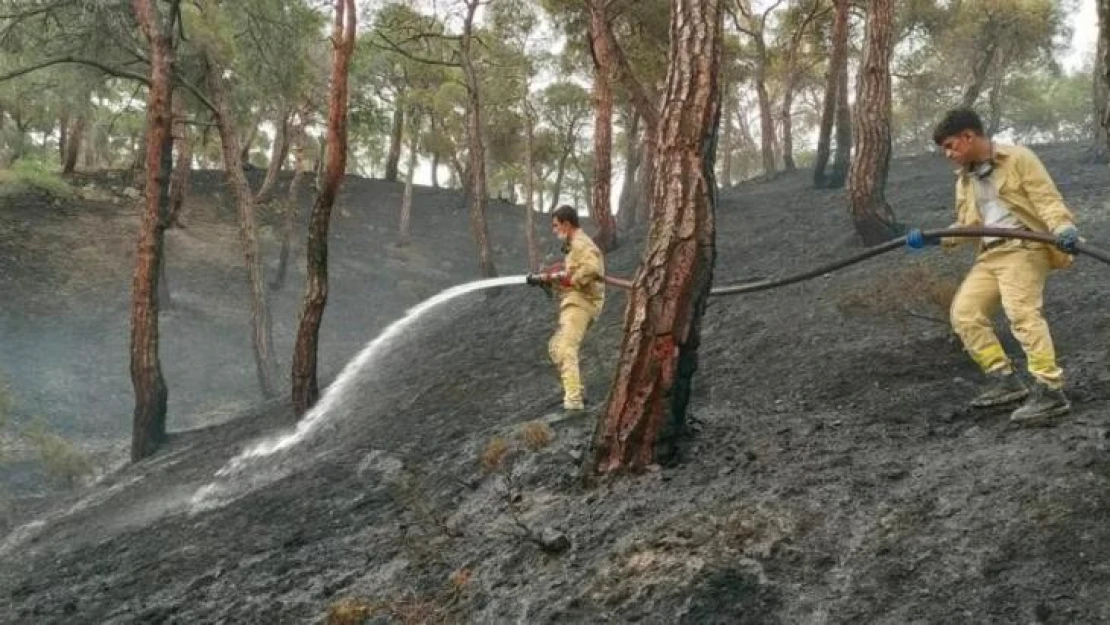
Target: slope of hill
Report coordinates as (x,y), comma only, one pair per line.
(833,476)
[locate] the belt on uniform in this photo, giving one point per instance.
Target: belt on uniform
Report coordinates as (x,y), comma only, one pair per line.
(997,242)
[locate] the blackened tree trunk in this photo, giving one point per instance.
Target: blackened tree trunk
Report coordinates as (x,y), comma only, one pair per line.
(1102,91)
(404,229)
(766,119)
(148,428)
(292,203)
(645,211)
(73,143)
(627,203)
(530,188)
(476,193)
(306,388)
(396,138)
(279,152)
(838,61)
(842,158)
(561,172)
(670,289)
(726,138)
(261,326)
(871,215)
(181,167)
(600,210)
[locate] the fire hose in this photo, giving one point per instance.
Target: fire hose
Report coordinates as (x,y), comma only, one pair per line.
(883,248)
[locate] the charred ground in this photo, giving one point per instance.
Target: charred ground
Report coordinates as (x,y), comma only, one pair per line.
(833,475)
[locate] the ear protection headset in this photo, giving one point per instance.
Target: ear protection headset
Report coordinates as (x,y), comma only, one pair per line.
(983,170)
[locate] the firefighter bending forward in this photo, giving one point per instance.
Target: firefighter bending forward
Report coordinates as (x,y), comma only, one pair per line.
(580,284)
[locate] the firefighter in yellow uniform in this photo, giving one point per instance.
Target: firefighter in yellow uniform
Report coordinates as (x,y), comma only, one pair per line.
(1005,186)
(580,284)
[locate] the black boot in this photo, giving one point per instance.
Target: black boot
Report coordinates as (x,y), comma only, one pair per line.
(1000,389)
(1043,404)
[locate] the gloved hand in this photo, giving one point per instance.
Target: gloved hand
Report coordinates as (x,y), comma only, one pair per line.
(1067,238)
(535,279)
(916,239)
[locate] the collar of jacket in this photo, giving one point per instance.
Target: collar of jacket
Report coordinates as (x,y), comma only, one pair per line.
(1002,153)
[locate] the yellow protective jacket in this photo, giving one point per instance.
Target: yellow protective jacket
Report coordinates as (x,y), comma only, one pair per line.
(585,268)
(1028,191)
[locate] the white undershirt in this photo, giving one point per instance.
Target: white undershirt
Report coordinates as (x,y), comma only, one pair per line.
(994,211)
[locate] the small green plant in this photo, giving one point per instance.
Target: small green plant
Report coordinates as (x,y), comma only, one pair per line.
(63,461)
(28,175)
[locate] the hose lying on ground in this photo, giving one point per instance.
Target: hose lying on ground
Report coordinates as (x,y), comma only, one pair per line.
(882,248)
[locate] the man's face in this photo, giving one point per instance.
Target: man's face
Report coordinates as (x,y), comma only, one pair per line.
(561,229)
(960,148)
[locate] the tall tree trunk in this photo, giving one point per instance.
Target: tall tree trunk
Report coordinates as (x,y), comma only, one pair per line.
(305,385)
(842,159)
(871,215)
(560,175)
(405,226)
(788,125)
(1102,78)
(980,73)
(261,326)
(396,137)
(477,195)
(148,428)
(292,204)
(600,210)
(248,143)
(627,204)
(838,59)
(726,138)
(670,290)
(181,168)
(529,189)
(766,119)
(994,101)
(73,143)
(435,170)
(646,204)
(63,137)
(279,152)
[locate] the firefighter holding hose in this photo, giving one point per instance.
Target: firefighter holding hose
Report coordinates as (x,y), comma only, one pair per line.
(1006,186)
(580,285)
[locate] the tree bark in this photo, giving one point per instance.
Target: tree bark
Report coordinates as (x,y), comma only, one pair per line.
(292,204)
(529,189)
(670,290)
(600,210)
(148,428)
(63,137)
(645,206)
(871,215)
(477,195)
(261,326)
(766,120)
(1102,90)
(279,152)
(980,73)
(627,204)
(842,159)
(838,59)
(306,388)
(396,138)
(73,143)
(561,172)
(726,139)
(248,143)
(181,168)
(405,227)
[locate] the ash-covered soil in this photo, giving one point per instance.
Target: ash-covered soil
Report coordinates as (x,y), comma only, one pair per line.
(833,474)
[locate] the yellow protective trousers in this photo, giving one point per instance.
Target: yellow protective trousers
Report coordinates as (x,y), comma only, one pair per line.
(563,349)
(1011,274)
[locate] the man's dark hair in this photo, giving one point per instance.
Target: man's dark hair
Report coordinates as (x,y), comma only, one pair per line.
(955,122)
(567,214)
